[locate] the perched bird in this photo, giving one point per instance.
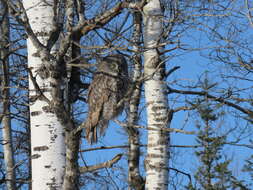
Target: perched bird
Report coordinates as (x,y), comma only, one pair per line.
(106,90)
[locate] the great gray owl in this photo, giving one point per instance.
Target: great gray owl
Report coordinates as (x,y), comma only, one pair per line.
(107,89)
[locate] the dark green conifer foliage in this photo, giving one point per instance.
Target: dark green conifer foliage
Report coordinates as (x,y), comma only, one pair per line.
(213,172)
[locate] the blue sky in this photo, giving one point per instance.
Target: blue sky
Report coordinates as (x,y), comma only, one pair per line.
(193,65)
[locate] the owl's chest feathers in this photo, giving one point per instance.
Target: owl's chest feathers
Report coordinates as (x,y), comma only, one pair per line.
(114,88)
(110,89)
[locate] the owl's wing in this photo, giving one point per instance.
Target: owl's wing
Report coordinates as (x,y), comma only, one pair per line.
(98,94)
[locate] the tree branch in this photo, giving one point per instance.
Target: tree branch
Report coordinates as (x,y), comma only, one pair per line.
(171,71)
(143,145)
(107,164)
(217,99)
(155,129)
(22,18)
(37,88)
(85,26)
(184,173)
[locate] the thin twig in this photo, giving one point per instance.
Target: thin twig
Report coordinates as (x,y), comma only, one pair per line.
(155,129)
(209,96)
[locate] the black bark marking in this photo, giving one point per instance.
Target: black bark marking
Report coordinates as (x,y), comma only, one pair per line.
(53,138)
(43,72)
(47,109)
(52,185)
(162,141)
(33,98)
(41,34)
(161,119)
(36,156)
(40,148)
(157,108)
(36,54)
(36,113)
(154,156)
(160,149)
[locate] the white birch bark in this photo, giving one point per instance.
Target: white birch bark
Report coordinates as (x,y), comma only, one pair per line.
(5,93)
(47,133)
(156,161)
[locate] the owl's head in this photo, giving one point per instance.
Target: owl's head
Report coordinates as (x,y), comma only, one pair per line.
(114,65)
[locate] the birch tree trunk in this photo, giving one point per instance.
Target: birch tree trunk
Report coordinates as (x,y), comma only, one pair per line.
(5,80)
(47,133)
(135,180)
(156,161)
(72,139)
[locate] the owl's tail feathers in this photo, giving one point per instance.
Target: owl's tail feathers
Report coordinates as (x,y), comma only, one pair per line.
(92,125)
(103,125)
(92,131)
(91,134)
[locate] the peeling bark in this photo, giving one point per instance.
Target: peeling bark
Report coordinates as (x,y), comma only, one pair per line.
(156,161)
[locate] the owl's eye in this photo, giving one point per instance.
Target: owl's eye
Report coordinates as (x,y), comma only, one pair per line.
(114,66)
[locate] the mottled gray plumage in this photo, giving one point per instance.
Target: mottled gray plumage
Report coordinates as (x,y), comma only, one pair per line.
(107,89)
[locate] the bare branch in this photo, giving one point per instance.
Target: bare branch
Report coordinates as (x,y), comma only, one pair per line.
(22,18)
(180,171)
(104,148)
(141,145)
(218,99)
(155,129)
(172,70)
(86,26)
(107,164)
(37,88)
